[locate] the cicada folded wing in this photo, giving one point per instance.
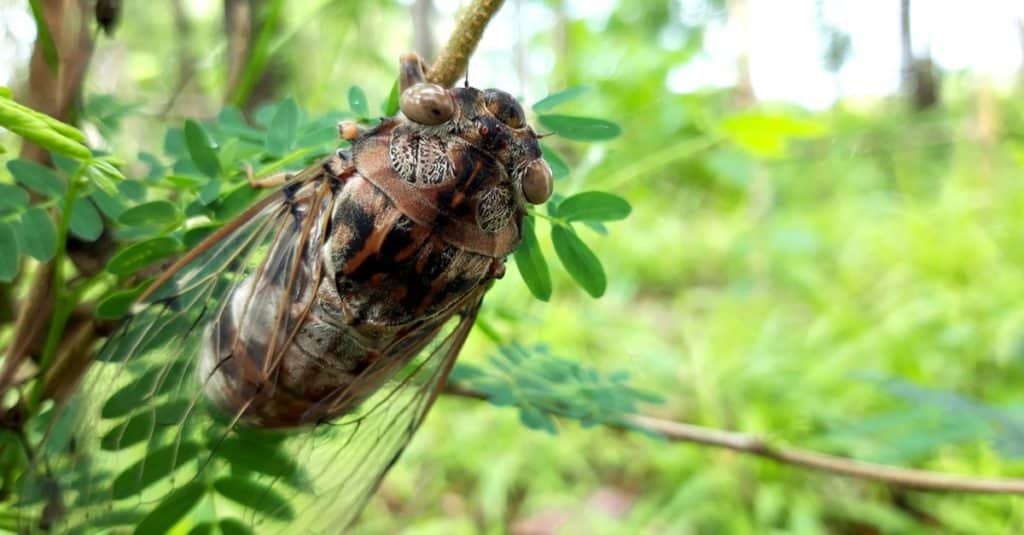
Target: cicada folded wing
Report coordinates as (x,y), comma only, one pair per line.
(276,372)
(189,416)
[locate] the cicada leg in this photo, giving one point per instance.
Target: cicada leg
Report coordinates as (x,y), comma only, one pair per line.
(267,182)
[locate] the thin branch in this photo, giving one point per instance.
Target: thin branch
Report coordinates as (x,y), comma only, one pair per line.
(749,444)
(454,59)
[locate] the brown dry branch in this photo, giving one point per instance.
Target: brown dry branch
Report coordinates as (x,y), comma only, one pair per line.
(454,58)
(908,478)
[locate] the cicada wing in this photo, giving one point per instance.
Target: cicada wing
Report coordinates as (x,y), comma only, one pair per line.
(352,455)
(151,452)
(143,434)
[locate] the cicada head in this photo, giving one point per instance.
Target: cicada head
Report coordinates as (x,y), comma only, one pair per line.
(467,153)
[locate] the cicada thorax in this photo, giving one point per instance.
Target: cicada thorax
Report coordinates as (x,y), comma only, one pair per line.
(421,219)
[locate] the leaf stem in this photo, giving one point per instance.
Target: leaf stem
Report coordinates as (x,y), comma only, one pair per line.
(554,220)
(923,480)
(63,298)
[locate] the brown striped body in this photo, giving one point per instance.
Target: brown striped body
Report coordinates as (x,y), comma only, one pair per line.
(414,223)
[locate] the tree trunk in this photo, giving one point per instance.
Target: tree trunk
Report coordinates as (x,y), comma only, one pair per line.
(423,41)
(920,79)
(739,25)
(55,91)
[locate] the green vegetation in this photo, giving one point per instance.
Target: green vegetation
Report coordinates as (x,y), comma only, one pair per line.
(845,281)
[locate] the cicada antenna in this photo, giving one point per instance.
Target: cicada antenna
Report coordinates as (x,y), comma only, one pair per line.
(546,134)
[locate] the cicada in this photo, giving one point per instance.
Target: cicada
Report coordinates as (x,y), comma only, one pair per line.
(272,376)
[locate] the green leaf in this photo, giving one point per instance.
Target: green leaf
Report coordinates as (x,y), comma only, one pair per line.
(530,261)
(37,178)
(153,383)
(265,458)
(85,221)
(12,198)
(195,235)
(117,304)
(357,101)
(204,528)
(155,466)
(201,149)
(144,425)
(142,254)
(283,129)
(255,496)
(391,106)
(8,252)
(209,192)
(535,419)
(134,190)
(581,263)
(594,206)
(554,100)
(110,205)
(580,128)
(130,432)
(231,526)
(150,213)
(105,176)
(233,203)
(171,510)
(38,236)
(559,168)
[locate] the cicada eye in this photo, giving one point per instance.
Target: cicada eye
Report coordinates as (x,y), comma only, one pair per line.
(537,182)
(504,107)
(427,104)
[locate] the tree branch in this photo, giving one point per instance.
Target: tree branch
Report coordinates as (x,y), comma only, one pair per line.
(749,444)
(454,59)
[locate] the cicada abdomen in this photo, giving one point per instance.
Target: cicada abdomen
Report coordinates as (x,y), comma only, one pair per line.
(284,363)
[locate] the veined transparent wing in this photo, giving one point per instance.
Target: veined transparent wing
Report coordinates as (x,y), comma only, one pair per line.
(149,452)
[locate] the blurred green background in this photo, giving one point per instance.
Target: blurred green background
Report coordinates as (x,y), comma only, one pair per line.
(828,261)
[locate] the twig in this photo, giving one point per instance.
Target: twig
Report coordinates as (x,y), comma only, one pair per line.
(454,59)
(743,443)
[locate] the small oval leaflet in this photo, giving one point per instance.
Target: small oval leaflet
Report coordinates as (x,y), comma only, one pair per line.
(532,266)
(554,100)
(171,509)
(37,178)
(580,128)
(258,497)
(156,465)
(283,129)
(581,263)
(559,168)
(38,235)
(357,101)
(150,213)
(12,198)
(201,149)
(85,221)
(594,206)
(8,252)
(142,254)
